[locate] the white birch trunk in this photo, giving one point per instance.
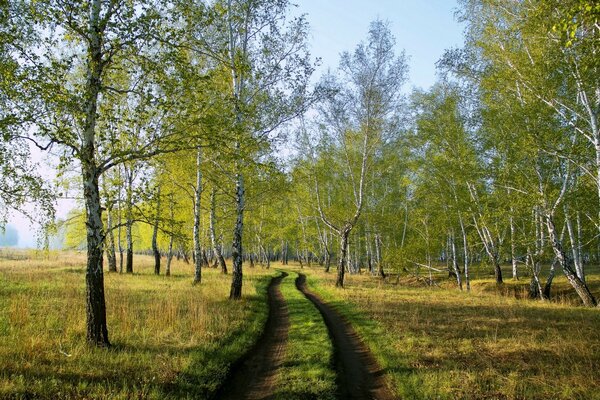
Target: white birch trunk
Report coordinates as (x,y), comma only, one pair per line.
(96,327)
(197,215)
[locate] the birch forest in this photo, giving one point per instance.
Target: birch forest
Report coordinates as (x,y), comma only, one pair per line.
(204,145)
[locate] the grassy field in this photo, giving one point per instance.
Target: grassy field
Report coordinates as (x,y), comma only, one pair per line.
(170,339)
(439,343)
(174,340)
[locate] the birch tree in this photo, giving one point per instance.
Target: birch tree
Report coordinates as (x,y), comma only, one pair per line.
(264,52)
(79,51)
(356,120)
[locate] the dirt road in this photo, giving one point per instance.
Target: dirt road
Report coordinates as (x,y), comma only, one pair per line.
(358,374)
(254,377)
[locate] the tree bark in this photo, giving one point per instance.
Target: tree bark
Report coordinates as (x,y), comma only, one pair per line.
(455,266)
(580,286)
(380,270)
(213,235)
(196,233)
(119,231)
(169,257)
(548,285)
(343,256)
(236,282)
(574,246)
(96,327)
(327,260)
(129,220)
(513,250)
(465,253)
(97,330)
(110,241)
(155,249)
(578,241)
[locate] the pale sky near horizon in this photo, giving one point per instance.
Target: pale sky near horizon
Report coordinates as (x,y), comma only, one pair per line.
(424,29)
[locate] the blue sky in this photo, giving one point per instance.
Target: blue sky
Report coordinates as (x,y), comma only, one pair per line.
(423,28)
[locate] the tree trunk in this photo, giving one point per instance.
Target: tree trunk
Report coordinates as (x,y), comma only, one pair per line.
(196,233)
(535,285)
(213,236)
(465,253)
(497,270)
(155,250)
(284,252)
(236,281)
(573,241)
(548,285)
(129,259)
(97,330)
(369,253)
(513,251)
(343,256)
(96,327)
(268,257)
(491,248)
(580,287)
(110,241)
(380,271)
(579,255)
(119,230)
(120,245)
(169,257)
(129,220)
(455,260)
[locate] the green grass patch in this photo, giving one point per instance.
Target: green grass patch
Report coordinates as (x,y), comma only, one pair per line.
(307,371)
(170,339)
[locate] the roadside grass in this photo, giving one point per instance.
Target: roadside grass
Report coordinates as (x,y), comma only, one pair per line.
(170,339)
(439,343)
(307,371)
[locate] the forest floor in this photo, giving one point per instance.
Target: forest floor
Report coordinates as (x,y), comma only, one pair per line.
(293,336)
(170,339)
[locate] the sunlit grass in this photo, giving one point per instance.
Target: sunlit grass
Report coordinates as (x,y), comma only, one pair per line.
(170,338)
(441,343)
(307,371)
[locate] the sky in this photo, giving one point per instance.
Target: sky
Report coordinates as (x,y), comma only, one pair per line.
(423,28)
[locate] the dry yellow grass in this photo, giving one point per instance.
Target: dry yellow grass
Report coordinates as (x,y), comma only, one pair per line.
(441,343)
(170,339)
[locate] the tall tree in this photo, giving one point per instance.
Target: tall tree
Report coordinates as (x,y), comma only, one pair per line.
(356,121)
(264,52)
(75,68)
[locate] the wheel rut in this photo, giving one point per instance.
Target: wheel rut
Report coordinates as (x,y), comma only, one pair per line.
(358,374)
(254,377)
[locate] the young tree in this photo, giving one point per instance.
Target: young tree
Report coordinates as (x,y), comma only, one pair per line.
(355,123)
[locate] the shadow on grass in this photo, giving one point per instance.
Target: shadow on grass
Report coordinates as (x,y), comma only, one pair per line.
(119,371)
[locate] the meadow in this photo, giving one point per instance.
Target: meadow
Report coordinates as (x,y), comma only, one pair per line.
(171,339)
(439,343)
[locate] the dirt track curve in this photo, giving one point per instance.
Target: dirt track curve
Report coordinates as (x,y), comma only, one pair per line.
(358,374)
(254,377)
